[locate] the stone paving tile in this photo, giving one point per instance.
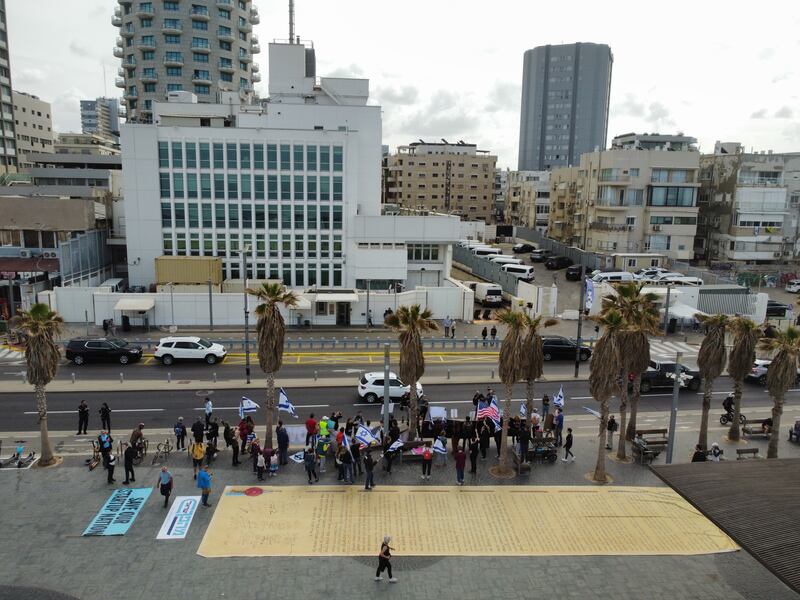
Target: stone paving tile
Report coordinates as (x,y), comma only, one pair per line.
(43,513)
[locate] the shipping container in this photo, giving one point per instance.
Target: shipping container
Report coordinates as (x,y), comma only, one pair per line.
(188,269)
(188,288)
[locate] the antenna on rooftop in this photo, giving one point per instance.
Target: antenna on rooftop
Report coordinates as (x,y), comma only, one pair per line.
(291,21)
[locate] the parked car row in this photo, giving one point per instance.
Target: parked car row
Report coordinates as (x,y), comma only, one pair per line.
(170,349)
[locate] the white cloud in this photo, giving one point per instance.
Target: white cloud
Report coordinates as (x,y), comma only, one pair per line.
(784,112)
(28,76)
(761,113)
(404,95)
(79,49)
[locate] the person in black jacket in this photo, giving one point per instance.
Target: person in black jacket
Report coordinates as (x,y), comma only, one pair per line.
(213,431)
(355,449)
(105,417)
(83,417)
(127,458)
(524,440)
(369,467)
(485,436)
(473,455)
(180,434)
(197,431)
(283,443)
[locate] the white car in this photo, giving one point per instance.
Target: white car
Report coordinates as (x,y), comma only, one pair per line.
(171,349)
(793,286)
(370,387)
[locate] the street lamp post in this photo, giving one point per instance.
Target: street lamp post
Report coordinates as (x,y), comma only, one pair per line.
(666,309)
(245,250)
(673,415)
(386,398)
(210,308)
(172,305)
(580,321)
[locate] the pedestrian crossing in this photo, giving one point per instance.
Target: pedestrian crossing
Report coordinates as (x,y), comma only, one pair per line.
(7,354)
(667,350)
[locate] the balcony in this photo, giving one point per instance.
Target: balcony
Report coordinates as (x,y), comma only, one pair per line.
(244,57)
(119,52)
(255,48)
(144,11)
(127,33)
(224,3)
(168,27)
(254,18)
(246,27)
(173,61)
(205,49)
(760,182)
(226,35)
(256,77)
(116,20)
(615,179)
(119,82)
(120,42)
(200,13)
(147,44)
(129,63)
(200,78)
(149,77)
(131,94)
(598,226)
(121,72)
(124,2)
(226,67)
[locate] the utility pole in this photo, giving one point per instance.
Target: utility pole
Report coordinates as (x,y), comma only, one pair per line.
(245,250)
(673,415)
(210,308)
(666,309)
(386,398)
(581,304)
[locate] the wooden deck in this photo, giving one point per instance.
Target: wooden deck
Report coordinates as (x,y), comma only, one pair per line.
(756,502)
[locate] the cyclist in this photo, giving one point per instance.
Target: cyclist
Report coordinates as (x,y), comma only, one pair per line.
(727,404)
(137,435)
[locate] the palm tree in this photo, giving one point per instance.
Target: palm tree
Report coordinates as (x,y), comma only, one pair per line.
(740,361)
(711,363)
(41,325)
(781,374)
(640,314)
(411,322)
(512,366)
(533,356)
(604,378)
(271,331)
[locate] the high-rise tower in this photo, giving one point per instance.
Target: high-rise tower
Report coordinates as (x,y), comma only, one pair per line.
(199,46)
(565,98)
(8,140)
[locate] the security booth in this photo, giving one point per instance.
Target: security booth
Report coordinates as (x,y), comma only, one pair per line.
(138,308)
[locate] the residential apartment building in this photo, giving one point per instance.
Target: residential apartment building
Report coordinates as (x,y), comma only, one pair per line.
(528,199)
(8,137)
(500,186)
(456,179)
(200,47)
(749,204)
(33,126)
(565,99)
(292,183)
(86,143)
(100,116)
(640,196)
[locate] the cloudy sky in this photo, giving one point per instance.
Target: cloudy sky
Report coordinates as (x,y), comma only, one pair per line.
(444,69)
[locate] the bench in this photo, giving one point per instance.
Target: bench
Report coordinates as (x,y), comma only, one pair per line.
(742,453)
(754,427)
(520,466)
(643,433)
(647,450)
(405,452)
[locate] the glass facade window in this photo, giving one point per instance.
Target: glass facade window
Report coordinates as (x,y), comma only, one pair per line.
(298,187)
(337,217)
(163,179)
(246,187)
(191,155)
(259,187)
(205,185)
(272,187)
(286,164)
(286,217)
(324,217)
(337,189)
(180,215)
(207,221)
(233,185)
(177,155)
(163,155)
(324,188)
(177,185)
(194,215)
(233,217)
(247,216)
(311,189)
(298,158)
(219,153)
(324,158)
(258,157)
(298,217)
(191,185)
(205,160)
(219,216)
(244,156)
(311,221)
(166,214)
(231,152)
(286,192)
(219,186)
(337,158)
(672,196)
(311,158)
(272,156)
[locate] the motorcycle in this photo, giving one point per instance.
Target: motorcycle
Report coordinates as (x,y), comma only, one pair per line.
(728,417)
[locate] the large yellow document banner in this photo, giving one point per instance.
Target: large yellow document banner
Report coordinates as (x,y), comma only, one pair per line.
(458,521)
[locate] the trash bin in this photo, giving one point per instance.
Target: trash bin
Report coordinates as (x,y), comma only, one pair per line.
(126,323)
(672,325)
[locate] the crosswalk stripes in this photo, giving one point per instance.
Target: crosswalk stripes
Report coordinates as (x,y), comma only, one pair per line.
(671,348)
(7,353)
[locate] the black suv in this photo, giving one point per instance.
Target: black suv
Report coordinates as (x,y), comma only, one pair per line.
(776,309)
(556,347)
(557,262)
(660,375)
(86,349)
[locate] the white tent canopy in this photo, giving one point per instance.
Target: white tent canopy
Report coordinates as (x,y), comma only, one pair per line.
(135,304)
(682,311)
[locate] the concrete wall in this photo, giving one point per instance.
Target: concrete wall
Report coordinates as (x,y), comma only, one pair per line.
(47,214)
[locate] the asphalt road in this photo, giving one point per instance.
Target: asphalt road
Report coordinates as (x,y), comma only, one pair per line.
(159,410)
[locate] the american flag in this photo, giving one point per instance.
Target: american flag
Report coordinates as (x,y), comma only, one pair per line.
(488,409)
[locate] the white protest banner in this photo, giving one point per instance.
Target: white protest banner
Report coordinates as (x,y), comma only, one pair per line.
(180,515)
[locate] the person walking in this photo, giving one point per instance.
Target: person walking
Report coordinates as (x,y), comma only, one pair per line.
(311,429)
(427,461)
(484,333)
(369,468)
(180,434)
(384,561)
(227,434)
(545,406)
(208,409)
(558,426)
(485,435)
(105,417)
(260,464)
(447,323)
(197,430)
(310,463)
(128,454)
(611,427)
(83,417)
(204,484)
(461,461)
(164,484)
(355,450)
(568,455)
(111,463)
(283,444)
(235,447)
(473,455)
(453,330)
(197,451)
(493,333)
(273,465)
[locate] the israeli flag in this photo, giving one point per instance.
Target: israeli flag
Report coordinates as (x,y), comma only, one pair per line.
(438,447)
(397,445)
(365,436)
(591,411)
(558,399)
(347,445)
(284,404)
(522,410)
(247,406)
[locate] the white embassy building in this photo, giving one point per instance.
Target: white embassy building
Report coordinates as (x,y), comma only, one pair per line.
(295,178)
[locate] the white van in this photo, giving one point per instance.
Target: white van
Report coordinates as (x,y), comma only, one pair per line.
(116,285)
(489,294)
(524,272)
(682,280)
(475,244)
(613,277)
(485,251)
(505,260)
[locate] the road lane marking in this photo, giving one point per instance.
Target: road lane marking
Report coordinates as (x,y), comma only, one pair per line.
(116,410)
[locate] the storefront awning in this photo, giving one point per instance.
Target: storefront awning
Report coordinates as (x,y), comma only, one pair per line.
(340,297)
(135,304)
(303,303)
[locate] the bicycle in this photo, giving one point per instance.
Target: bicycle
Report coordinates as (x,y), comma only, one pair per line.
(163,449)
(141,451)
(96,456)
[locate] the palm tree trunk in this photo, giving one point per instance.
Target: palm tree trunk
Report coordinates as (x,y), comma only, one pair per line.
(775,434)
(623,415)
(600,468)
(733,432)
(529,401)
(41,408)
(708,386)
(413,411)
(504,431)
(270,408)
(630,430)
